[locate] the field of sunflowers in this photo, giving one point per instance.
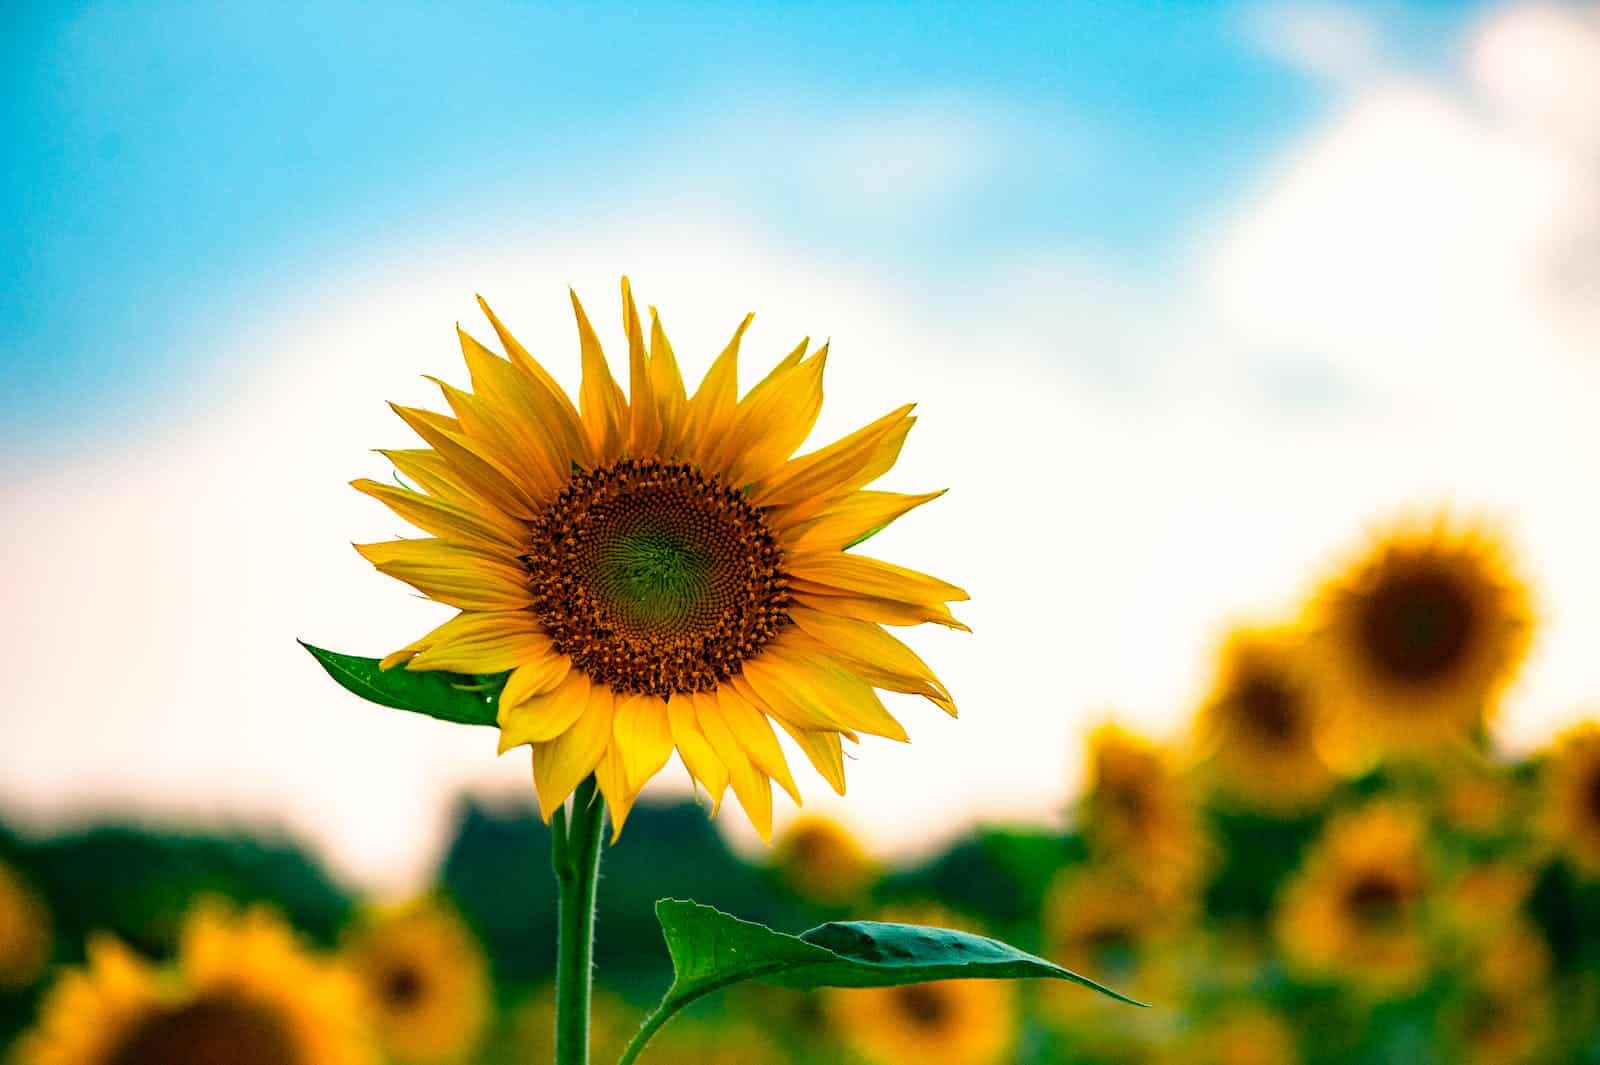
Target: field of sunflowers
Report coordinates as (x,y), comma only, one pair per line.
(1332,864)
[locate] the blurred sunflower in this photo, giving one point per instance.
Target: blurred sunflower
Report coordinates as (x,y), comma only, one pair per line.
(1571,784)
(1418,637)
(712,1044)
(1140,816)
(1258,727)
(656,571)
(1241,1035)
(426,981)
(1498,1026)
(822,861)
(242,992)
(1354,910)
(1478,798)
(1099,922)
(946,1022)
(25,939)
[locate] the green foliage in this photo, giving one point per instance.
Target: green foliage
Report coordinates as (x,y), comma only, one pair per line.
(463,698)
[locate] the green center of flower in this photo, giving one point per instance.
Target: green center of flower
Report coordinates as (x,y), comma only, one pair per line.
(212,1030)
(655,578)
(1418,627)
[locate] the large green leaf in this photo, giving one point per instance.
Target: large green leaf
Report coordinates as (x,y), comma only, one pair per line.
(460,697)
(711,950)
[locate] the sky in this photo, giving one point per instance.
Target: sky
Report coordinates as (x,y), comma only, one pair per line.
(1190,296)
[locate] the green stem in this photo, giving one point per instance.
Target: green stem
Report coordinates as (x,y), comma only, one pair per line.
(575,856)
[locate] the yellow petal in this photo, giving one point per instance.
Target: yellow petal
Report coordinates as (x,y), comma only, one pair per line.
(752,787)
(546,715)
(644,412)
(481,643)
(615,789)
(881,611)
(843,466)
(537,675)
(532,422)
(506,446)
(698,757)
(711,412)
(880,659)
(774,421)
(553,401)
(643,735)
(824,750)
(451,574)
(845,522)
(862,576)
(666,380)
(750,727)
(822,686)
(600,400)
(487,529)
(560,765)
(472,461)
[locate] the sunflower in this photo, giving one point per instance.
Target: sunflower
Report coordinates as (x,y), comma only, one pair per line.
(1417,638)
(1099,921)
(1258,729)
(426,981)
(1499,1026)
(1355,909)
(1139,815)
(25,940)
(242,992)
(656,572)
(822,861)
(946,1022)
(1241,1035)
(1571,784)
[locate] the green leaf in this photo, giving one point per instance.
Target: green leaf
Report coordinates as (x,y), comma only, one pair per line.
(711,950)
(463,698)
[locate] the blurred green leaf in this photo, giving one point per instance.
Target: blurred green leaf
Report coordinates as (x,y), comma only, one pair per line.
(463,698)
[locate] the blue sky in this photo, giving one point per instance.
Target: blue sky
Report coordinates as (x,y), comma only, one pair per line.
(173,165)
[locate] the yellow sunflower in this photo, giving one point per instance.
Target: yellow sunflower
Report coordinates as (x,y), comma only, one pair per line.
(426,981)
(1355,909)
(242,992)
(1241,1035)
(1258,729)
(822,861)
(25,939)
(656,571)
(1102,923)
(1418,637)
(1139,815)
(1499,1026)
(1571,784)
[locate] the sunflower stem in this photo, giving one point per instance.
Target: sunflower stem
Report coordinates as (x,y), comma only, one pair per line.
(575,858)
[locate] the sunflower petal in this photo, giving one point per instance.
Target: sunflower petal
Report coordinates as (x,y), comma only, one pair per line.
(644,410)
(845,522)
(666,380)
(480,643)
(751,728)
(695,750)
(861,576)
(543,716)
(824,750)
(773,421)
(711,412)
(553,401)
(451,574)
(535,676)
(505,445)
(600,400)
(485,529)
(881,659)
(643,736)
(560,765)
(749,784)
(843,466)
(615,789)
(821,684)
(471,459)
(529,416)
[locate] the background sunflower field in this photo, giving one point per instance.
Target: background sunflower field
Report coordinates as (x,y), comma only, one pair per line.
(1256,343)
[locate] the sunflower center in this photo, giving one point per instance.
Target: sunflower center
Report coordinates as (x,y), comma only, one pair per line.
(401,988)
(1270,709)
(655,578)
(1375,899)
(1418,627)
(1592,795)
(212,1030)
(924,1005)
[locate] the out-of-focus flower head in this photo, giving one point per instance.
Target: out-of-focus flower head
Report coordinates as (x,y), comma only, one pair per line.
(821,860)
(25,938)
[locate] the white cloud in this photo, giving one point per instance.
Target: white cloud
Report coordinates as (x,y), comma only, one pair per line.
(1331,42)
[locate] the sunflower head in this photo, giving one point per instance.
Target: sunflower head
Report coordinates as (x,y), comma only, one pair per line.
(242,991)
(1571,785)
(821,860)
(658,571)
(25,938)
(1499,1026)
(1355,909)
(1242,1035)
(1259,727)
(425,979)
(1417,638)
(1139,814)
(947,1022)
